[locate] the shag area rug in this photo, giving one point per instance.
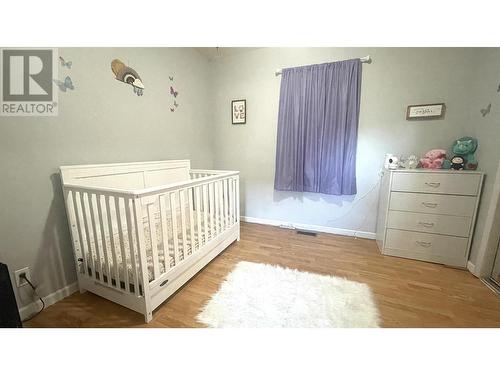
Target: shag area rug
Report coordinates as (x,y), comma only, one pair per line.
(258,295)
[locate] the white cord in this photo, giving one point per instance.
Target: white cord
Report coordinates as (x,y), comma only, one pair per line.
(355,204)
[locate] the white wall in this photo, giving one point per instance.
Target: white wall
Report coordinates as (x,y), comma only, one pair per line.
(101,121)
(396,78)
(485,83)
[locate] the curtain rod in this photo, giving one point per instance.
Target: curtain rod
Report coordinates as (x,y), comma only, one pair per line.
(366,59)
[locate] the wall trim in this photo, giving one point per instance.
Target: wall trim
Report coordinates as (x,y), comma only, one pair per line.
(28,310)
(471,267)
(314,228)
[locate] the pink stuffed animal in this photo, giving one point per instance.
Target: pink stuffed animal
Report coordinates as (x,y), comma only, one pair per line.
(433,159)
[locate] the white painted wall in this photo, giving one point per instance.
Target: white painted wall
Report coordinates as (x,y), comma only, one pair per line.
(101,121)
(485,83)
(396,78)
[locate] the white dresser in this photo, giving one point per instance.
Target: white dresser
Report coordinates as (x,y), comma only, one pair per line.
(428,214)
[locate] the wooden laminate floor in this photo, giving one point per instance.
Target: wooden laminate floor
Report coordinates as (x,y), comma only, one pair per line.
(408,293)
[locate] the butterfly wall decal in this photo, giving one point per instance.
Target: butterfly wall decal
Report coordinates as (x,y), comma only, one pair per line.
(486,110)
(172,109)
(176,104)
(67,84)
(498,88)
(171,78)
(65,63)
(173,92)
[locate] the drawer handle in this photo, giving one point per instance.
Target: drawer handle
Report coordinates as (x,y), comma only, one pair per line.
(433,184)
(423,244)
(425,224)
(429,205)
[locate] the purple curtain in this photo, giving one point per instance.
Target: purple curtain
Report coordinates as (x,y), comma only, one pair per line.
(318,128)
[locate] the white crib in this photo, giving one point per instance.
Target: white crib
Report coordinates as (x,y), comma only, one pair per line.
(141,230)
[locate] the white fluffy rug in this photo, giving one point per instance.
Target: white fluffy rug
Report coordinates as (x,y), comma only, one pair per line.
(261,295)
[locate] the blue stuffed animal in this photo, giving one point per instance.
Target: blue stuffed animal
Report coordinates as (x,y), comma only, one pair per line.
(465,147)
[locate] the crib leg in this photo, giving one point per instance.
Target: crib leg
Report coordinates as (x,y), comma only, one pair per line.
(82,290)
(148,315)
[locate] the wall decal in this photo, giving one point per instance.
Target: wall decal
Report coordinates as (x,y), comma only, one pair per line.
(498,89)
(127,75)
(486,110)
(65,85)
(174,93)
(65,63)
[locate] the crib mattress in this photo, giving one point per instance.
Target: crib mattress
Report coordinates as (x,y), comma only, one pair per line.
(166,259)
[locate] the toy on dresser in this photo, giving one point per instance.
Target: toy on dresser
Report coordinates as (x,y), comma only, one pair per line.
(463,150)
(457,163)
(433,159)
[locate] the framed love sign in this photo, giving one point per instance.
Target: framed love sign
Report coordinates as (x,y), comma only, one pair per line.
(239,112)
(425,111)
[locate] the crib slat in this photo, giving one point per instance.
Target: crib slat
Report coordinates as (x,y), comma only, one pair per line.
(226,204)
(231,201)
(211,209)
(124,263)
(154,242)
(87,235)
(103,239)
(190,192)
(97,246)
(205,213)
(164,228)
(130,232)
(218,211)
(112,240)
(237,199)
(182,200)
(79,230)
(198,216)
(173,212)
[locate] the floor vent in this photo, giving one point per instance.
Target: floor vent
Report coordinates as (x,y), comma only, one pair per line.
(306,233)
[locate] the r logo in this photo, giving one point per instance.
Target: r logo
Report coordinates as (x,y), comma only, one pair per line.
(27,82)
(27,75)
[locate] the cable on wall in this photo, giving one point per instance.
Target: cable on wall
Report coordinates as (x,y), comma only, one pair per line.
(40,298)
(357,201)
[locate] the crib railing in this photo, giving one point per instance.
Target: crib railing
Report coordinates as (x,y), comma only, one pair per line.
(125,239)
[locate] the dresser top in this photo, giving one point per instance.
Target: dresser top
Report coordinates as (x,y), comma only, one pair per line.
(426,170)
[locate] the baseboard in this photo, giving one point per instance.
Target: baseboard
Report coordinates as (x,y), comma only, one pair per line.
(314,228)
(471,267)
(50,299)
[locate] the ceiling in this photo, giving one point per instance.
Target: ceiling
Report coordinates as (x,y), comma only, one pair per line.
(217,52)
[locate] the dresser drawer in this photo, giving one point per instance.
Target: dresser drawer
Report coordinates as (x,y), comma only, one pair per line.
(429,247)
(433,203)
(430,223)
(436,182)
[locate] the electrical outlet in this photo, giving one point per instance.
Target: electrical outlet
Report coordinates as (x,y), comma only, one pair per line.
(19,280)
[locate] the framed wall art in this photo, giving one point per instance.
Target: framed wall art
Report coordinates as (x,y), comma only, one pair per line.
(239,112)
(425,111)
